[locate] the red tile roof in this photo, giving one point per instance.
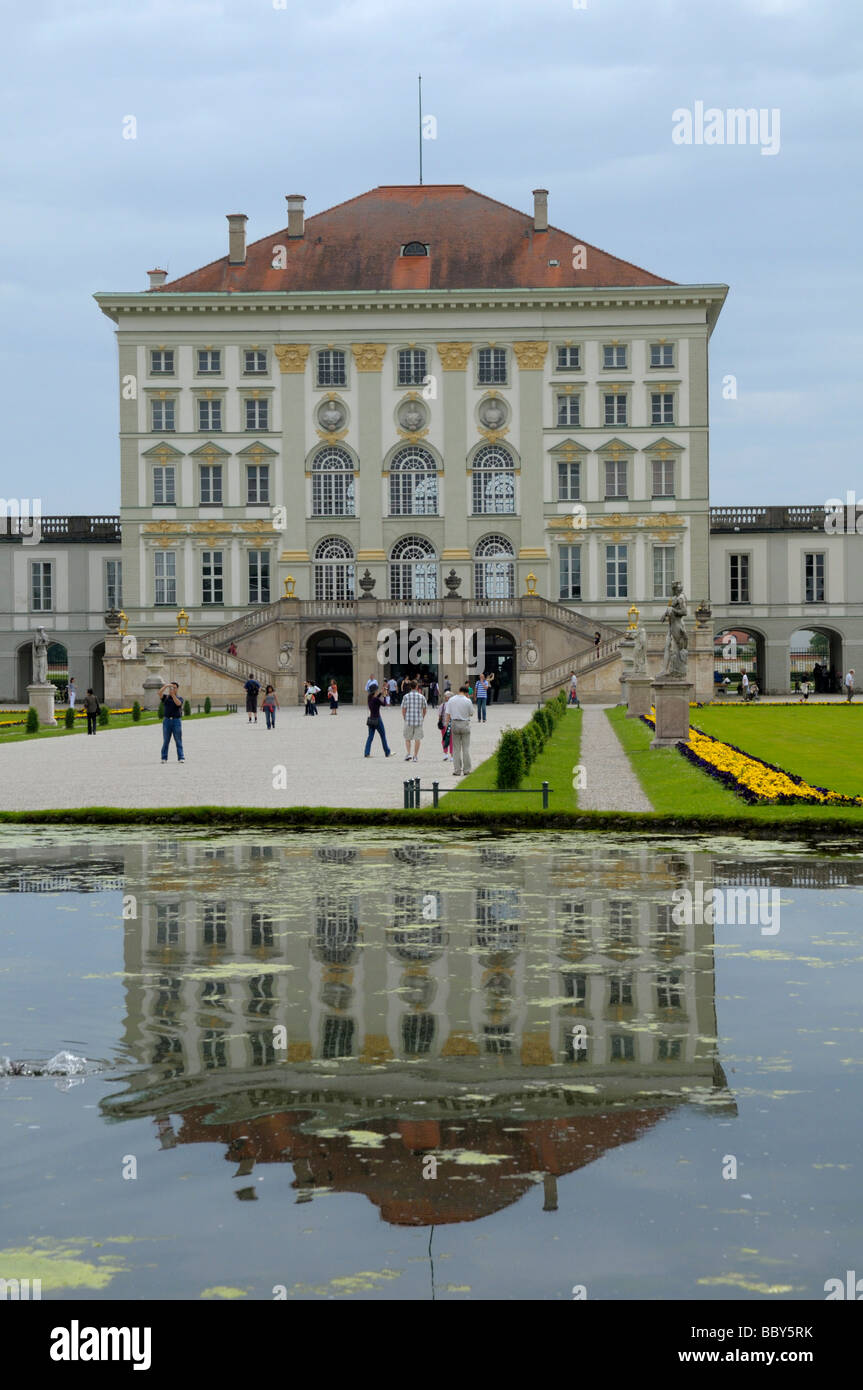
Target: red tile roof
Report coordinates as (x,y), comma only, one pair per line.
(474,242)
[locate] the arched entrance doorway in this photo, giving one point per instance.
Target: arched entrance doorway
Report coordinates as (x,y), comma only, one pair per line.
(500,662)
(97,672)
(735,650)
(328,655)
(816,656)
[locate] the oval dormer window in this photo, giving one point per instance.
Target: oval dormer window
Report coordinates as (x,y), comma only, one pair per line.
(415,248)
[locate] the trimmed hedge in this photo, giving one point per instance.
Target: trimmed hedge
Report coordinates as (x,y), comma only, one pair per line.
(32,721)
(103,715)
(69,718)
(187,708)
(511,765)
(136,711)
(207,705)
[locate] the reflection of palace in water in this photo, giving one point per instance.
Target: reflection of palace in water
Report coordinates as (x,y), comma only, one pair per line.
(537,1005)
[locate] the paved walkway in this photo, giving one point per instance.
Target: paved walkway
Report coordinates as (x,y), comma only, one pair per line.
(610,783)
(230,763)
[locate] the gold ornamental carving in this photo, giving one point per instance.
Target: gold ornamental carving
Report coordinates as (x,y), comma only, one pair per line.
(165,528)
(369,357)
(292,356)
(530,356)
(454,356)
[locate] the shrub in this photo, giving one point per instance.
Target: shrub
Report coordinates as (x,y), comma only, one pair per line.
(32,721)
(136,712)
(545,720)
(510,759)
(187,708)
(103,715)
(69,718)
(207,705)
(530,742)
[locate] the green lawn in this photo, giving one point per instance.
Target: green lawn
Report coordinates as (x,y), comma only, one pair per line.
(554,765)
(117,721)
(822,743)
(674,786)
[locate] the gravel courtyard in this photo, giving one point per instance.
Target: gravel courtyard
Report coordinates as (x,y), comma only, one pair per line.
(230,763)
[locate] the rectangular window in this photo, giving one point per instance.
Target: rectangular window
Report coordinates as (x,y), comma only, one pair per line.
(211,577)
(162,362)
(211,485)
(616,568)
(570,571)
(165,573)
(621,989)
(622,1047)
(662,407)
(663,477)
(254,362)
(668,991)
(412,366)
(615,478)
(167,924)
(215,924)
(663,570)
(568,480)
(814,561)
(569,359)
(614,355)
(210,417)
(257,484)
(113,583)
(669,1049)
(568,408)
(257,415)
(209,361)
(662,354)
(162,416)
(41,586)
(615,408)
(259,576)
(332,367)
(491,366)
(738,579)
(164,486)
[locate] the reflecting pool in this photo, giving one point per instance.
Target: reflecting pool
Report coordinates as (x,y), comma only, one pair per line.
(382,1066)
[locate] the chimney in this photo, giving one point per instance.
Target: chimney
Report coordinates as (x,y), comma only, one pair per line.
(157,278)
(296,202)
(540,209)
(236,238)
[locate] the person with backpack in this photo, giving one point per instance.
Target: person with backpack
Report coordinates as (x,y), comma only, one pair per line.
(252,689)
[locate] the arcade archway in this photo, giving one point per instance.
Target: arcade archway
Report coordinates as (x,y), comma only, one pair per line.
(737,650)
(815,655)
(330,655)
(501,663)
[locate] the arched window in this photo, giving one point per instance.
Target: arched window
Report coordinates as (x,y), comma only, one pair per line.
(493,480)
(332,483)
(413,483)
(494,568)
(415,248)
(413,568)
(334,569)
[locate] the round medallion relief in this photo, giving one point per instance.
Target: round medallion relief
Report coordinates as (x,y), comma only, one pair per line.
(332,415)
(412,416)
(493,413)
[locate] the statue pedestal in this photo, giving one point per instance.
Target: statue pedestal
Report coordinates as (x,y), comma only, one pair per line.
(639,696)
(41,697)
(671,697)
(151,687)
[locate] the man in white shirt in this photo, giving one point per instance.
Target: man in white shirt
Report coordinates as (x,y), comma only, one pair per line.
(72,693)
(849,684)
(744,686)
(459,712)
(369,683)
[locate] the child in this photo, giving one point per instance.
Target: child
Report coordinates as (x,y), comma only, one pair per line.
(333,697)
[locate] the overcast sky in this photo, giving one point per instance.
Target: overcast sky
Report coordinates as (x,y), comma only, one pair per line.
(238,102)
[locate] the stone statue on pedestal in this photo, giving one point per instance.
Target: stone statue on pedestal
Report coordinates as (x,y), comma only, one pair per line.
(40,657)
(639,652)
(677,642)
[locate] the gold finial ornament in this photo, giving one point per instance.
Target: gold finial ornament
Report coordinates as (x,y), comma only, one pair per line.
(122,629)
(289,586)
(182,623)
(530,581)
(633,618)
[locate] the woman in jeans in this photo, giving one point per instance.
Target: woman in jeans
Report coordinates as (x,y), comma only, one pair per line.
(375,722)
(269,705)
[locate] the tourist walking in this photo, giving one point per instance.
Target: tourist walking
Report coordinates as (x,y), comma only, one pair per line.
(446,685)
(252,689)
(573,688)
(91,708)
(393,690)
(369,683)
(269,705)
(597,638)
(414,706)
(172,722)
(232,649)
(482,689)
(374,721)
(309,692)
(434,693)
(849,684)
(459,712)
(71,693)
(744,686)
(445,732)
(333,697)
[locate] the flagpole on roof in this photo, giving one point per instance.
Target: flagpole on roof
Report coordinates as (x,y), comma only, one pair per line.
(420,113)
